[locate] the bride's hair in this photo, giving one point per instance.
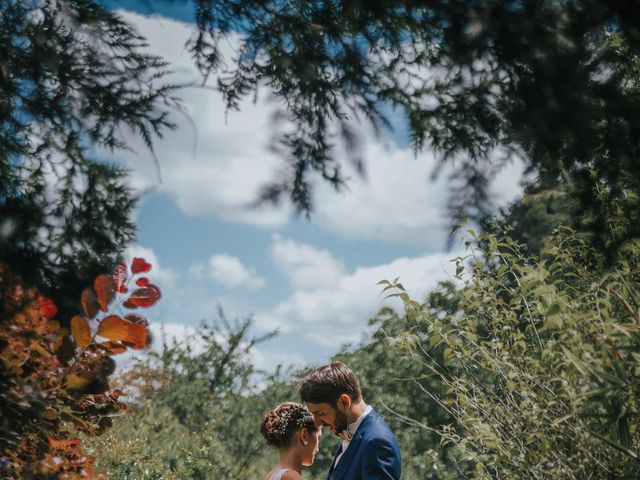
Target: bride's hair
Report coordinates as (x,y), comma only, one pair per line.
(279,425)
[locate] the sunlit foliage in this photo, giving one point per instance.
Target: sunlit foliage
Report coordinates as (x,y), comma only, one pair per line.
(537,359)
(195,409)
(54,372)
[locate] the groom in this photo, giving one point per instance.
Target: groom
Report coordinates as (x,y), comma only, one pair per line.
(368,450)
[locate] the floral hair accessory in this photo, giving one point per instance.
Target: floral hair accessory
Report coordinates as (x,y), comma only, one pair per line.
(304,420)
(284,423)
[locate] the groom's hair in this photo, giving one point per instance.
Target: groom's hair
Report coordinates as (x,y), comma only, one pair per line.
(326,383)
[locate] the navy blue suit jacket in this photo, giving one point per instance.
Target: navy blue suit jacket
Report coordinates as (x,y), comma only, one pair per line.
(372,454)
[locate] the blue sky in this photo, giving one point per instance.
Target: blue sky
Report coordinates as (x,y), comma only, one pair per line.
(315,281)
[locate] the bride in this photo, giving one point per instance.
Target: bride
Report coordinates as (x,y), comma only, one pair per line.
(291,430)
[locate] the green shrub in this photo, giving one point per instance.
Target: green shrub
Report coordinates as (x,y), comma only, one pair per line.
(536,359)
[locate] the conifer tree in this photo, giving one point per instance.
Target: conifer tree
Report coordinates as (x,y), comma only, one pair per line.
(554,82)
(73,77)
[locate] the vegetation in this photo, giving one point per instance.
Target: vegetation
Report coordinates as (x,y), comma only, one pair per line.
(54,381)
(73,77)
(195,411)
(552,82)
(525,367)
(536,359)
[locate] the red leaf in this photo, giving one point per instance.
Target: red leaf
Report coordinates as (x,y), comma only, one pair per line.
(117,393)
(89,302)
(105,289)
(140,265)
(80,331)
(48,309)
(143,297)
(142,282)
(130,305)
(120,276)
(118,329)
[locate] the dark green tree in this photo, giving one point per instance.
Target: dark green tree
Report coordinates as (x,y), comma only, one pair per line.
(554,82)
(73,77)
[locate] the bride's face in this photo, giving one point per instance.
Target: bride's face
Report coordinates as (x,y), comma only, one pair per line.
(311,448)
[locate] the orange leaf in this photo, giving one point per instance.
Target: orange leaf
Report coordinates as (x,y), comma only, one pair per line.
(105,289)
(89,302)
(135,318)
(76,382)
(113,348)
(35,346)
(80,331)
(118,329)
(63,443)
(50,414)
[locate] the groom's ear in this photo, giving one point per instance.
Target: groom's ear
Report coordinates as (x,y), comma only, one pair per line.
(344,401)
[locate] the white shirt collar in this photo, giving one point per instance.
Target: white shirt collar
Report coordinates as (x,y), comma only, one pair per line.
(352,428)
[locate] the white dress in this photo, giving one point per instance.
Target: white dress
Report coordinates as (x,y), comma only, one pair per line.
(278,475)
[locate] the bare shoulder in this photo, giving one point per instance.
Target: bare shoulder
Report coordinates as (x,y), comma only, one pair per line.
(291,475)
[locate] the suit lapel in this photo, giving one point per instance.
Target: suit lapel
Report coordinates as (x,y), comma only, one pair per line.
(333,464)
(349,454)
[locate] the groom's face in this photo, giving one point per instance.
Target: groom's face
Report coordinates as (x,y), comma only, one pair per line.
(334,418)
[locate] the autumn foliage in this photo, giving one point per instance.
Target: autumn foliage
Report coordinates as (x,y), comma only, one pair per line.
(54,372)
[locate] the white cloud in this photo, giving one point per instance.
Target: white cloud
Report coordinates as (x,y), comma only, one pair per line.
(172,332)
(163,277)
(267,360)
(306,267)
(231,272)
(398,200)
(334,314)
(216,164)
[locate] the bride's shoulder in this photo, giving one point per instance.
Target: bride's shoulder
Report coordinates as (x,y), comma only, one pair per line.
(291,475)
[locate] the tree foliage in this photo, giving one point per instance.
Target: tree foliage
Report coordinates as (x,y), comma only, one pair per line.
(54,373)
(525,367)
(555,82)
(395,385)
(73,77)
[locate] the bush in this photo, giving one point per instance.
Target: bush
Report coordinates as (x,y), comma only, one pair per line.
(537,359)
(197,410)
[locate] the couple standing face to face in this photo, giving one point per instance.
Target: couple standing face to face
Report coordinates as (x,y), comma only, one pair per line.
(332,399)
